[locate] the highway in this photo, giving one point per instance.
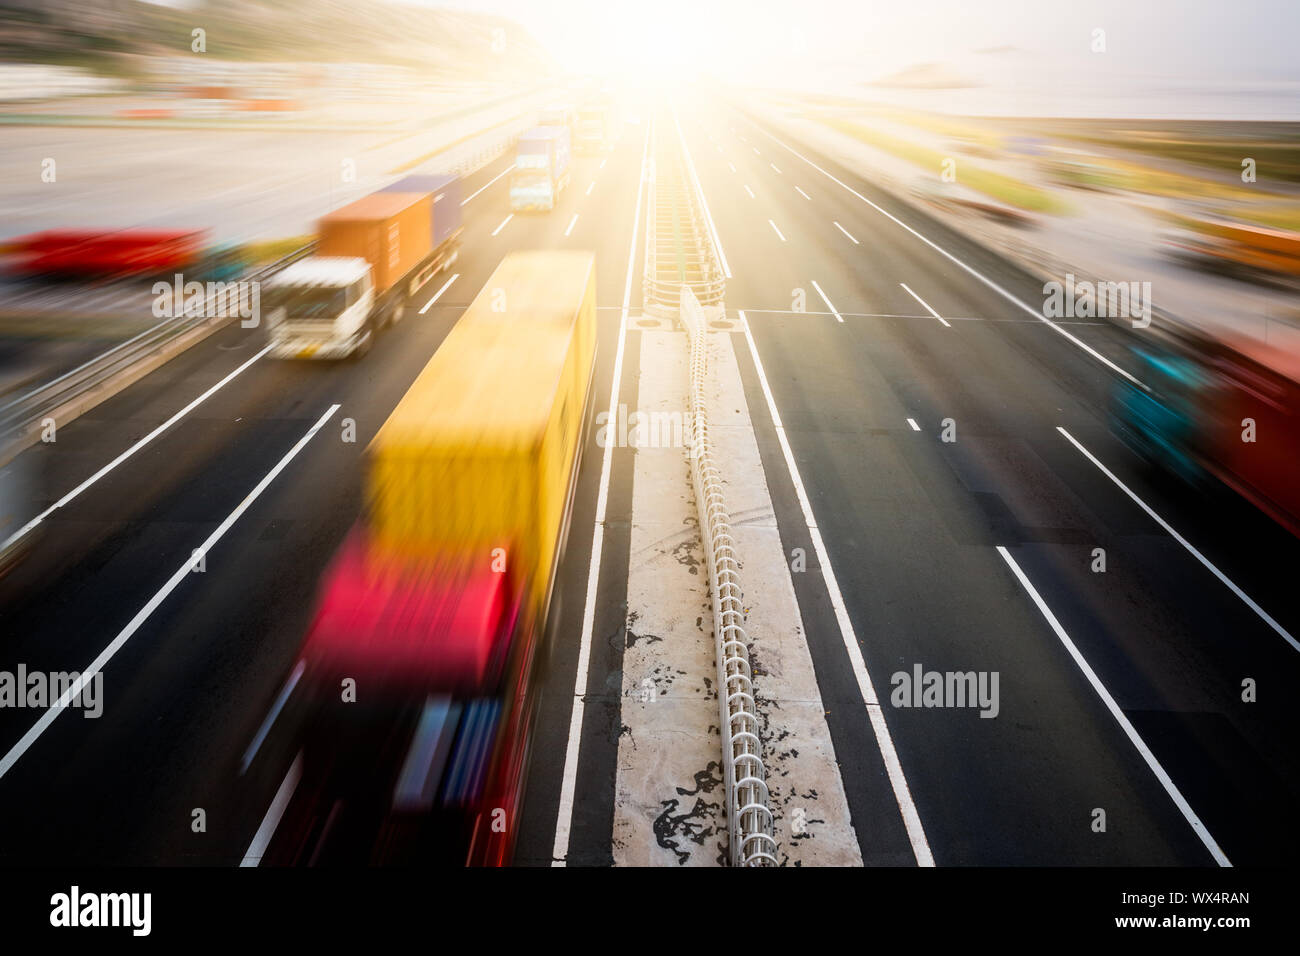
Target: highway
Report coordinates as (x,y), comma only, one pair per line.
(191,686)
(864,333)
(912,527)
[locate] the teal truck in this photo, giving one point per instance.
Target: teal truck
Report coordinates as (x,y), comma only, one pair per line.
(541,168)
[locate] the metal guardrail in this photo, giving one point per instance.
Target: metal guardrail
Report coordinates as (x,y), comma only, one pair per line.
(19,414)
(683,276)
(486,154)
(679,250)
(749,820)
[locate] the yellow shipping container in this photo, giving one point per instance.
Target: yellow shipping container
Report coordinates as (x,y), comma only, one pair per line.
(482,450)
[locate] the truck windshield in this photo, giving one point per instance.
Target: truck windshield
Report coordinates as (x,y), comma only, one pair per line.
(312,302)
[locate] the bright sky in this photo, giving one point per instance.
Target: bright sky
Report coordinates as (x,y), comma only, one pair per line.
(752,39)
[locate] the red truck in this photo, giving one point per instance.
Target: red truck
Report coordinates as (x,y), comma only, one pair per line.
(107,252)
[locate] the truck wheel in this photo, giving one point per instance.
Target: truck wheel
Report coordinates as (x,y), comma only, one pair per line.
(363,346)
(398,312)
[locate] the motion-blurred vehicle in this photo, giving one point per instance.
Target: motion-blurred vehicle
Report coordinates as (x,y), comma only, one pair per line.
(541,168)
(442,603)
(371,256)
(558,114)
(105,275)
(106,252)
(1237,248)
(1221,408)
(593,128)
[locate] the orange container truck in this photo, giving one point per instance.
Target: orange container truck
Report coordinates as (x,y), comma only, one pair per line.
(371,256)
(389,230)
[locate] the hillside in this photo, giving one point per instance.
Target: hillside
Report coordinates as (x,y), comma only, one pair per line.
(111,35)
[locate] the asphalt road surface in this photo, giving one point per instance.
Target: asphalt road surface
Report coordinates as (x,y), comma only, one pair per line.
(1120,691)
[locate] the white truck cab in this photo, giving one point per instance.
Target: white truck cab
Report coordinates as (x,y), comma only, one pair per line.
(320,307)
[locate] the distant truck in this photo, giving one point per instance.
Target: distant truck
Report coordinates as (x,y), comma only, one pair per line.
(1218,407)
(593,129)
(559,114)
(541,168)
(372,255)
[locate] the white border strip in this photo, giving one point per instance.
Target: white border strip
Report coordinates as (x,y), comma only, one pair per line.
(564,815)
(438,295)
(1263,615)
(897,780)
(1006,294)
(487,184)
(846,232)
(181,573)
(1165,781)
(262,838)
(925,305)
(129,452)
(699,190)
(834,312)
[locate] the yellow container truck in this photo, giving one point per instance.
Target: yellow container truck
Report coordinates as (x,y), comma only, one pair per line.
(440,602)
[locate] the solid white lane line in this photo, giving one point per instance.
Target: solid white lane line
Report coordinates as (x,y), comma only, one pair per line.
(924,305)
(1209,565)
(773,165)
(750,191)
(590,187)
(504,223)
(438,295)
(894,769)
(262,838)
(25,529)
(572,222)
(834,311)
(281,699)
(802,193)
(915,426)
(1009,296)
(487,184)
(699,190)
(181,573)
(776,230)
(564,815)
(846,232)
(1165,781)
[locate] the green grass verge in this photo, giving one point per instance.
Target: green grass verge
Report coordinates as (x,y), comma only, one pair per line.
(1005,189)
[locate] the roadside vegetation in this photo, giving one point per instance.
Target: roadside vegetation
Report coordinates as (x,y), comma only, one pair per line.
(997,186)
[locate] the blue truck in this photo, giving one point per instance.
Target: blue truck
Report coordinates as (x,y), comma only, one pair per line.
(445,197)
(541,168)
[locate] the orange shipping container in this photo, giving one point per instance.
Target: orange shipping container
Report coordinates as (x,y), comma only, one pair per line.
(392,231)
